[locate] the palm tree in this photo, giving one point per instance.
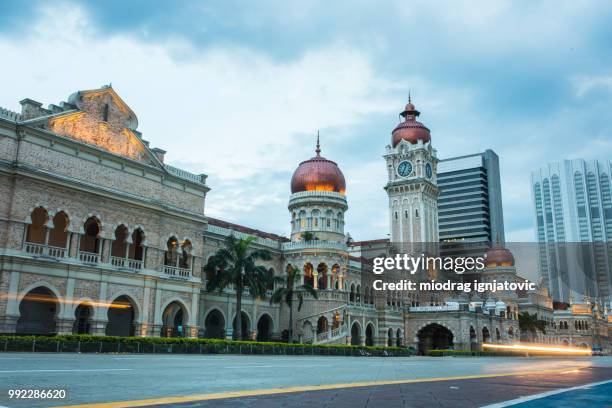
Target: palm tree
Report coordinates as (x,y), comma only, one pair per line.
(235,265)
(289,291)
(529,323)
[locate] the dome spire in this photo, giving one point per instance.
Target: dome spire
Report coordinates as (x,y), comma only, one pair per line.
(318,149)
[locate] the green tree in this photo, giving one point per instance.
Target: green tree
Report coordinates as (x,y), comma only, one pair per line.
(236,266)
(289,289)
(529,323)
(308,236)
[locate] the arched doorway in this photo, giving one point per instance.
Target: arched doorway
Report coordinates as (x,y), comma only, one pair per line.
(486,336)
(244,327)
(82,319)
(322,325)
(308,331)
(309,274)
(356,334)
(473,339)
(38,310)
(322,276)
(174,320)
(434,337)
(214,325)
(398,338)
(121,315)
(264,328)
(369,334)
(390,337)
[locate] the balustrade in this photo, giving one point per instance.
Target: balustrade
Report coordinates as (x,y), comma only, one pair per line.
(44,250)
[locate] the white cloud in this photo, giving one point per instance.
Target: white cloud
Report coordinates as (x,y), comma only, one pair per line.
(585,84)
(232,113)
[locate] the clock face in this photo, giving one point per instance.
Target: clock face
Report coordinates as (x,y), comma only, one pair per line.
(428,170)
(404,169)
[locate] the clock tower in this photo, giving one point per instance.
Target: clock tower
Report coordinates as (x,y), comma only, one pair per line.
(412,186)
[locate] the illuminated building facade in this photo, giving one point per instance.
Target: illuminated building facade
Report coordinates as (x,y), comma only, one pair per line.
(98,235)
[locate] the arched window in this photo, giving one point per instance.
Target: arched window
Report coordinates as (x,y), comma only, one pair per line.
(37,229)
(58,236)
(89,246)
(171,254)
(185,255)
(120,245)
(136,247)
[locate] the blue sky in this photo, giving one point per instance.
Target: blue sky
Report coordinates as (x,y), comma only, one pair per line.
(238,90)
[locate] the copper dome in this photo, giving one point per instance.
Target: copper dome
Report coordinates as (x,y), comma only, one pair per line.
(499,256)
(410,129)
(318,174)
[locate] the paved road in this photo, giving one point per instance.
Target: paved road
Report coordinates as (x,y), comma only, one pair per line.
(91,378)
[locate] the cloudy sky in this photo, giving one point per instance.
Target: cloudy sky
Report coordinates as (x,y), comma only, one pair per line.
(238,90)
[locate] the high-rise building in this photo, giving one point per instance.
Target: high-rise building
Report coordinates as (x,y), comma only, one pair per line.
(573,214)
(470,205)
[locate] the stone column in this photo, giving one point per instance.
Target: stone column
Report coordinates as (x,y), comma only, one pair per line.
(64,325)
(98,327)
(316,280)
(8,324)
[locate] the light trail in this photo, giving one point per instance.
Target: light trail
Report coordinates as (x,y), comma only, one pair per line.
(551,349)
(53,299)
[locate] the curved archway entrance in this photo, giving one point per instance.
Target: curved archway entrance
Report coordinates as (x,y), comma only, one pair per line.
(322,325)
(486,335)
(473,339)
(82,319)
(355,334)
(214,325)
(390,337)
(245,327)
(38,310)
(264,328)
(398,338)
(434,337)
(121,317)
(369,334)
(174,319)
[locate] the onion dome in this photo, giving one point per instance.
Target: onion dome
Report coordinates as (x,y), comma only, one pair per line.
(497,255)
(410,129)
(318,174)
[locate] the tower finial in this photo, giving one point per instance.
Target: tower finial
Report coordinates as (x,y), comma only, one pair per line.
(409,98)
(318,149)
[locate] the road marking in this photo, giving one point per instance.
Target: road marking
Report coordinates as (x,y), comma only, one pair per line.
(275,366)
(545,394)
(304,388)
(66,371)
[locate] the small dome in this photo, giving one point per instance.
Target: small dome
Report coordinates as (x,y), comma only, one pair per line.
(410,129)
(318,174)
(498,256)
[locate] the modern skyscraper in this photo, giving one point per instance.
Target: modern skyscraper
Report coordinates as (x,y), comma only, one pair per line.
(573,214)
(470,205)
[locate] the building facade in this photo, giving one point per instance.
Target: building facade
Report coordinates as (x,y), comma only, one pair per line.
(573,215)
(98,235)
(470,206)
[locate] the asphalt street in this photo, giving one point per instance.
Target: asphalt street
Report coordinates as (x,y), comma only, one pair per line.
(228,380)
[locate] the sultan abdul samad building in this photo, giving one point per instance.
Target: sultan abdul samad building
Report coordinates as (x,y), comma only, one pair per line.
(98,235)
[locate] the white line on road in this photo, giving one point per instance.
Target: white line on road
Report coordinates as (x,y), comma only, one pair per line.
(545,394)
(276,366)
(67,370)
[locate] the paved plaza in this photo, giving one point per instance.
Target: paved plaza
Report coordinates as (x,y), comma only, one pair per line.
(264,381)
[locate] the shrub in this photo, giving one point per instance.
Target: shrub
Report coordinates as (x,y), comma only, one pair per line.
(111,344)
